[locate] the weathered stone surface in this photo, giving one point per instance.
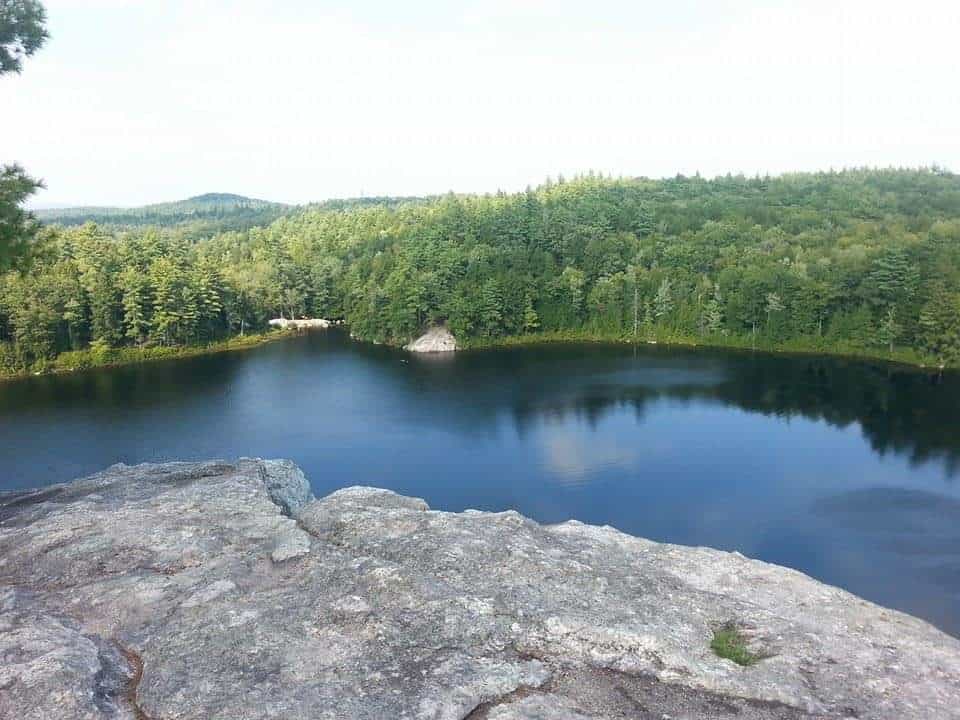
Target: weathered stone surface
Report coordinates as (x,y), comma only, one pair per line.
(49,669)
(436,339)
(184,591)
(286,485)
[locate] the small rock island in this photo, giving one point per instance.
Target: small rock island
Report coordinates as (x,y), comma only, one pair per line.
(225,590)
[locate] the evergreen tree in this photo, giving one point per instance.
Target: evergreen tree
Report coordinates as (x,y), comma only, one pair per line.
(135,289)
(208,292)
(22,32)
(893,279)
(713,312)
(19,229)
(940,325)
(491,308)
(167,318)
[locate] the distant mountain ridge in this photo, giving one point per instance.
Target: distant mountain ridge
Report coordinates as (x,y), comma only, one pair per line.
(205,206)
(207,214)
(199,215)
(200,204)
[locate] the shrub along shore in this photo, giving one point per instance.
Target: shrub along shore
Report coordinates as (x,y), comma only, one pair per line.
(100,357)
(800,346)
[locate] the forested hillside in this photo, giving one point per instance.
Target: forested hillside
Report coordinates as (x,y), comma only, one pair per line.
(861,261)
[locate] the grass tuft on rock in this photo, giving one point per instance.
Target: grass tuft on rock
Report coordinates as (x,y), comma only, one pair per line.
(729,643)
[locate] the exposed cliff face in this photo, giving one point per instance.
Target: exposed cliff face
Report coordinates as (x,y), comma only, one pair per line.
(215,590)
(436,339)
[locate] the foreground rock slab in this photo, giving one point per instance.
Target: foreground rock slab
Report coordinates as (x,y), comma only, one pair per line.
(224,590)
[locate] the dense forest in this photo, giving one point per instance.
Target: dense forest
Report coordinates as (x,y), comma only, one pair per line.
(860,261)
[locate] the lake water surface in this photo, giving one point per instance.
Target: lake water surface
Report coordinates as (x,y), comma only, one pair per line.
(844,470)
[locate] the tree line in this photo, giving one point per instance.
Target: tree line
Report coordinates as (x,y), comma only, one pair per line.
(857,261)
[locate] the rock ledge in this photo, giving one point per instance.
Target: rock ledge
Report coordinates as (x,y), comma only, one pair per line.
(435,340)
(224,590)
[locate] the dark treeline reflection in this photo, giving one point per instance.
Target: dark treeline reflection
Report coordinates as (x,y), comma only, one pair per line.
(908,411)
(901,410)
(123,387)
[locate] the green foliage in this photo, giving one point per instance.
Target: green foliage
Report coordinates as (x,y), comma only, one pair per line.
(940,326)
(663,301)
(863,262)
(135,288)
(729,643)
(100,355)
(22,32)
(531,321)
(890,329)
(713,312)
(18,228)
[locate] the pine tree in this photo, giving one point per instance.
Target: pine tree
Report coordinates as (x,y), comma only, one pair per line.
(713,312)
(188,322)
(103,296)
(135,288)
(491,308)
(166,280)
(892,279)
(940,326)
(209,295)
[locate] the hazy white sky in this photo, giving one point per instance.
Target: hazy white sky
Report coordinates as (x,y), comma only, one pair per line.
(295,100)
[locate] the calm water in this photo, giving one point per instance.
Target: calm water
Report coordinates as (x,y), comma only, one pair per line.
(846,471)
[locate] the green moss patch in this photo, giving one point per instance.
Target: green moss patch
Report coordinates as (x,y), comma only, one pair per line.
(729,643)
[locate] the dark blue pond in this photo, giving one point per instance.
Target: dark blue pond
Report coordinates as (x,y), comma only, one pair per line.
(844,470)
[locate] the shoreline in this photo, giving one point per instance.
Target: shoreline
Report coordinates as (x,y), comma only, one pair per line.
(905,359)
(119,357)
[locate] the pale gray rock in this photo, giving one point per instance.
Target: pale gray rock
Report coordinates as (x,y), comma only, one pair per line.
(50,669)
(301,324)
(435,340)
(538,707)
(223,590)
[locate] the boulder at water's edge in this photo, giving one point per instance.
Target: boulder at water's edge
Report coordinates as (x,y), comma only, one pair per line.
(436,339)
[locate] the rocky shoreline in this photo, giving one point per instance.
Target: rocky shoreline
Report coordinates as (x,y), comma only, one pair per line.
(225,590)
(301,324)
(436,339)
